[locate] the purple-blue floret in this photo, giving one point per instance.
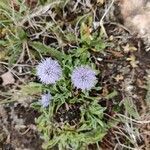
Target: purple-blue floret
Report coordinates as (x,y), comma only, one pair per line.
(84,78)
(49,71)
(45,99)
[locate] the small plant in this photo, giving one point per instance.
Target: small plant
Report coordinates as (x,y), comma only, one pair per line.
(71,117)
(70,114)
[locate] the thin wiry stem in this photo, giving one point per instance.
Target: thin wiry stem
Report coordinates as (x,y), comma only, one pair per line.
(38,11)
(106,12)
(136,121)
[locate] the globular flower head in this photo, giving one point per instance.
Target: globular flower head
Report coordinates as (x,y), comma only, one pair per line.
(49,71)
(83,78)
(45,99)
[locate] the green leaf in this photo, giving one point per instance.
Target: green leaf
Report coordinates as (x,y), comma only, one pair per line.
(85,34)
(98,44)
(2,42)
(14,53)
(32,88)
(51,143)
(21,33)
(46,49)
(131,108)
(4,5)
(94,136)
(112,94)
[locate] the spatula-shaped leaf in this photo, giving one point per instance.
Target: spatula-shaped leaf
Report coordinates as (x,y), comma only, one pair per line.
(41,48)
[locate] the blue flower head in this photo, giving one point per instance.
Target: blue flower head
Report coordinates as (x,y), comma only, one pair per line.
(45,99)
(83,78)
(49,71)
